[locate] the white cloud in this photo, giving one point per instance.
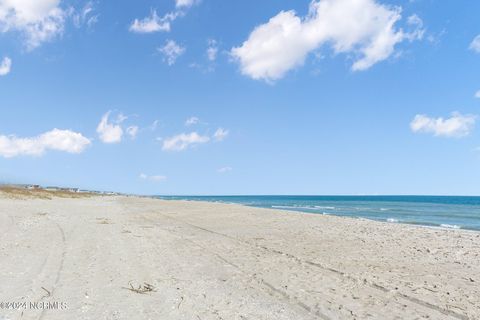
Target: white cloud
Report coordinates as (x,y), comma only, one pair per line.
(212,50)
(154,125)
(59,140)
(121,117)
(418,30)
(5,66)
(191,121)
(211,53)
(224,169)
(183,141)
(457,125)
(153,23)
(220,134)
(475,44)
(85,16)
(171,51)
(185,3)
(155,178)
(132,131)
(364,28)
(110,132)
(477,94)
(39,21)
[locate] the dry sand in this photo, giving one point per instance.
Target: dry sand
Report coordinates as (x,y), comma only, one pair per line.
(217,261)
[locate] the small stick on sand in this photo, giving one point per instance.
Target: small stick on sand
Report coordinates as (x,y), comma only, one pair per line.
(141,289)
(181,300)
(48,293)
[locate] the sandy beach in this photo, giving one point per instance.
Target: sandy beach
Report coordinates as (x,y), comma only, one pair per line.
(130,258)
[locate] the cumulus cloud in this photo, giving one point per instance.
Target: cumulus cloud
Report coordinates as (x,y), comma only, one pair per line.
(110,132)
(184,141)
(224,169)
(171,51)
(191,121)
(59,140)
(475,44)
(153,23)
(363,28)
(185,3)
(154,178)
(5,66)
(220,134)
(39,21)
(457,125)
(132,131)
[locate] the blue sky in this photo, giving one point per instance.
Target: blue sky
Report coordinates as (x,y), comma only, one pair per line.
(283,97)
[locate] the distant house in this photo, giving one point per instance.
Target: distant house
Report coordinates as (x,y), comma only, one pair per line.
(32,187)
(52,188)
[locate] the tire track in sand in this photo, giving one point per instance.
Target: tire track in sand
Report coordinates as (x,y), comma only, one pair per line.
(339,274)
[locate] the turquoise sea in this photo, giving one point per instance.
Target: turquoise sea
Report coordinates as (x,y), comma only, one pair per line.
(433,211)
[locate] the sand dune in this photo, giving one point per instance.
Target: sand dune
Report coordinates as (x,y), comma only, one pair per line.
(138,258)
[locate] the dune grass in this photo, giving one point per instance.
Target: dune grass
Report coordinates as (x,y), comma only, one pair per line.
(13,192)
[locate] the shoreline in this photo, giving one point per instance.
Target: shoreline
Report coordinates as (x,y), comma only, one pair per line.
(149,258)
(421,225)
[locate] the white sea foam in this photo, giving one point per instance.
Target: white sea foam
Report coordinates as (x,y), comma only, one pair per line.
(283,207)
(384,209)
(364,209)
(294,207)
(322,207)
(450,226)
(393,220)
(326,213)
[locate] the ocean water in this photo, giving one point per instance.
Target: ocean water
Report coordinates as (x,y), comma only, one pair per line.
(433,211)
